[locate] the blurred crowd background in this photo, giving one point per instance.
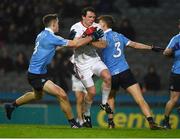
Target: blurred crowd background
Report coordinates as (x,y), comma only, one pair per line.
(151,22)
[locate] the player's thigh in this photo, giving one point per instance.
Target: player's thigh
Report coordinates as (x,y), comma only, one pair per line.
(99,67)
(135,91)
(174,95)
(53,89)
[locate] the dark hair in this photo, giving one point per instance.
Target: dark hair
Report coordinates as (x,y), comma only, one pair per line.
(48,18)
(86,9)
(108,19)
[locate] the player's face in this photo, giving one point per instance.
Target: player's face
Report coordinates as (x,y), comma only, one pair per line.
(89,18)
(56,25)
(102,24)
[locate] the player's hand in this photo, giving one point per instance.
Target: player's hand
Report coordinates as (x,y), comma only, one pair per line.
(89,31)
(157,49)
(96,35)
(72,34)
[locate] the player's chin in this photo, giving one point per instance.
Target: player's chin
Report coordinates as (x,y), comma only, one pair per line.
(90,23)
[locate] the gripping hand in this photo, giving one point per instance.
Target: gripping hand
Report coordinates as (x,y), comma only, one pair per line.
(96,35)
(89,31)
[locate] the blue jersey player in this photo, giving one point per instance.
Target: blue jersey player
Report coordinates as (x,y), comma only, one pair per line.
(45,46)
(173,50)
(114,58)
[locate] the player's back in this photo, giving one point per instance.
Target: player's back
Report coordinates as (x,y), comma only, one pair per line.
(113,55)
(176,63)
(43,52)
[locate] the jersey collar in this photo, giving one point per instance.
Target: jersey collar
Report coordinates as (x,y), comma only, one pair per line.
(49,29)
(109,29)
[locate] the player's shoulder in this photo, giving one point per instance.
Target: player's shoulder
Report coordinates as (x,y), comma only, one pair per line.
(117,34)
(76,25)
(176,37)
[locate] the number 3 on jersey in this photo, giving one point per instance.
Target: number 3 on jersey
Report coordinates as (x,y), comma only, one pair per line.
(35,48)
(118,50)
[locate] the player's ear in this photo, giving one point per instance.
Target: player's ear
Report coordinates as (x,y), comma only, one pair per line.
(53,23)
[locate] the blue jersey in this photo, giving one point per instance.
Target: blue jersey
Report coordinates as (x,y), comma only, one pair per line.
(113,55)
(45,47)
(175,42)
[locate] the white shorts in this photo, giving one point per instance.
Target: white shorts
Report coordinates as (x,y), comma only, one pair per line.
(77,85)
(94,67)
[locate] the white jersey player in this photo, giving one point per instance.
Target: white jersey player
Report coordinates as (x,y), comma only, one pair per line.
(87,63)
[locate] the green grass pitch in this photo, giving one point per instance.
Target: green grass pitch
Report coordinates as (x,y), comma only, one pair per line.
(51,131)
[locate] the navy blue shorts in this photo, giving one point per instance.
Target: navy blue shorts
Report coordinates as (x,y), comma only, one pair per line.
(37,81)
(123,79)
(174,84)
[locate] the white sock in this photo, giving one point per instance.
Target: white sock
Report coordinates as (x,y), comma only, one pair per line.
(105,94)
(87,106)
(80,121)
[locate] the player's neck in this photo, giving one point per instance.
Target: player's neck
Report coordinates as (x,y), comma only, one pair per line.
(107,30)
(49,29)
(85,25)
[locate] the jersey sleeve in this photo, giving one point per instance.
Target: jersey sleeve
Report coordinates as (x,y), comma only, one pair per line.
(125,40)
(173,42)
(59,41)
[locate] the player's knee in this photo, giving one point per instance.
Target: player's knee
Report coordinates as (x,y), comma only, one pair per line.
(107,79)
(91,93)
(62,95)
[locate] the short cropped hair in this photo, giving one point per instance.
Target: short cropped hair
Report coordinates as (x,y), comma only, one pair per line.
(48,18)
(108,19)
(86,9)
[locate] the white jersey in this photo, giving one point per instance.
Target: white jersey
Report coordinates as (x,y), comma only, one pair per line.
(86,60)
(84,55)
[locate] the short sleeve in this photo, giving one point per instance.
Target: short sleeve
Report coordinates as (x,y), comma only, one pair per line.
(125,40)
(59,41)
(172,42)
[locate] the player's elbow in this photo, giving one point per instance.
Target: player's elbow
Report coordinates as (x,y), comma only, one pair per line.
(168,53)
(103,44)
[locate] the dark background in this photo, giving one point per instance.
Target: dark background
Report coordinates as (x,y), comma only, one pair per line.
(152,22)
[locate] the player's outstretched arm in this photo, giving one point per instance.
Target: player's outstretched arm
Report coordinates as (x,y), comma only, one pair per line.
(96,35)
(144,46)
(137,45)
(79,42)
